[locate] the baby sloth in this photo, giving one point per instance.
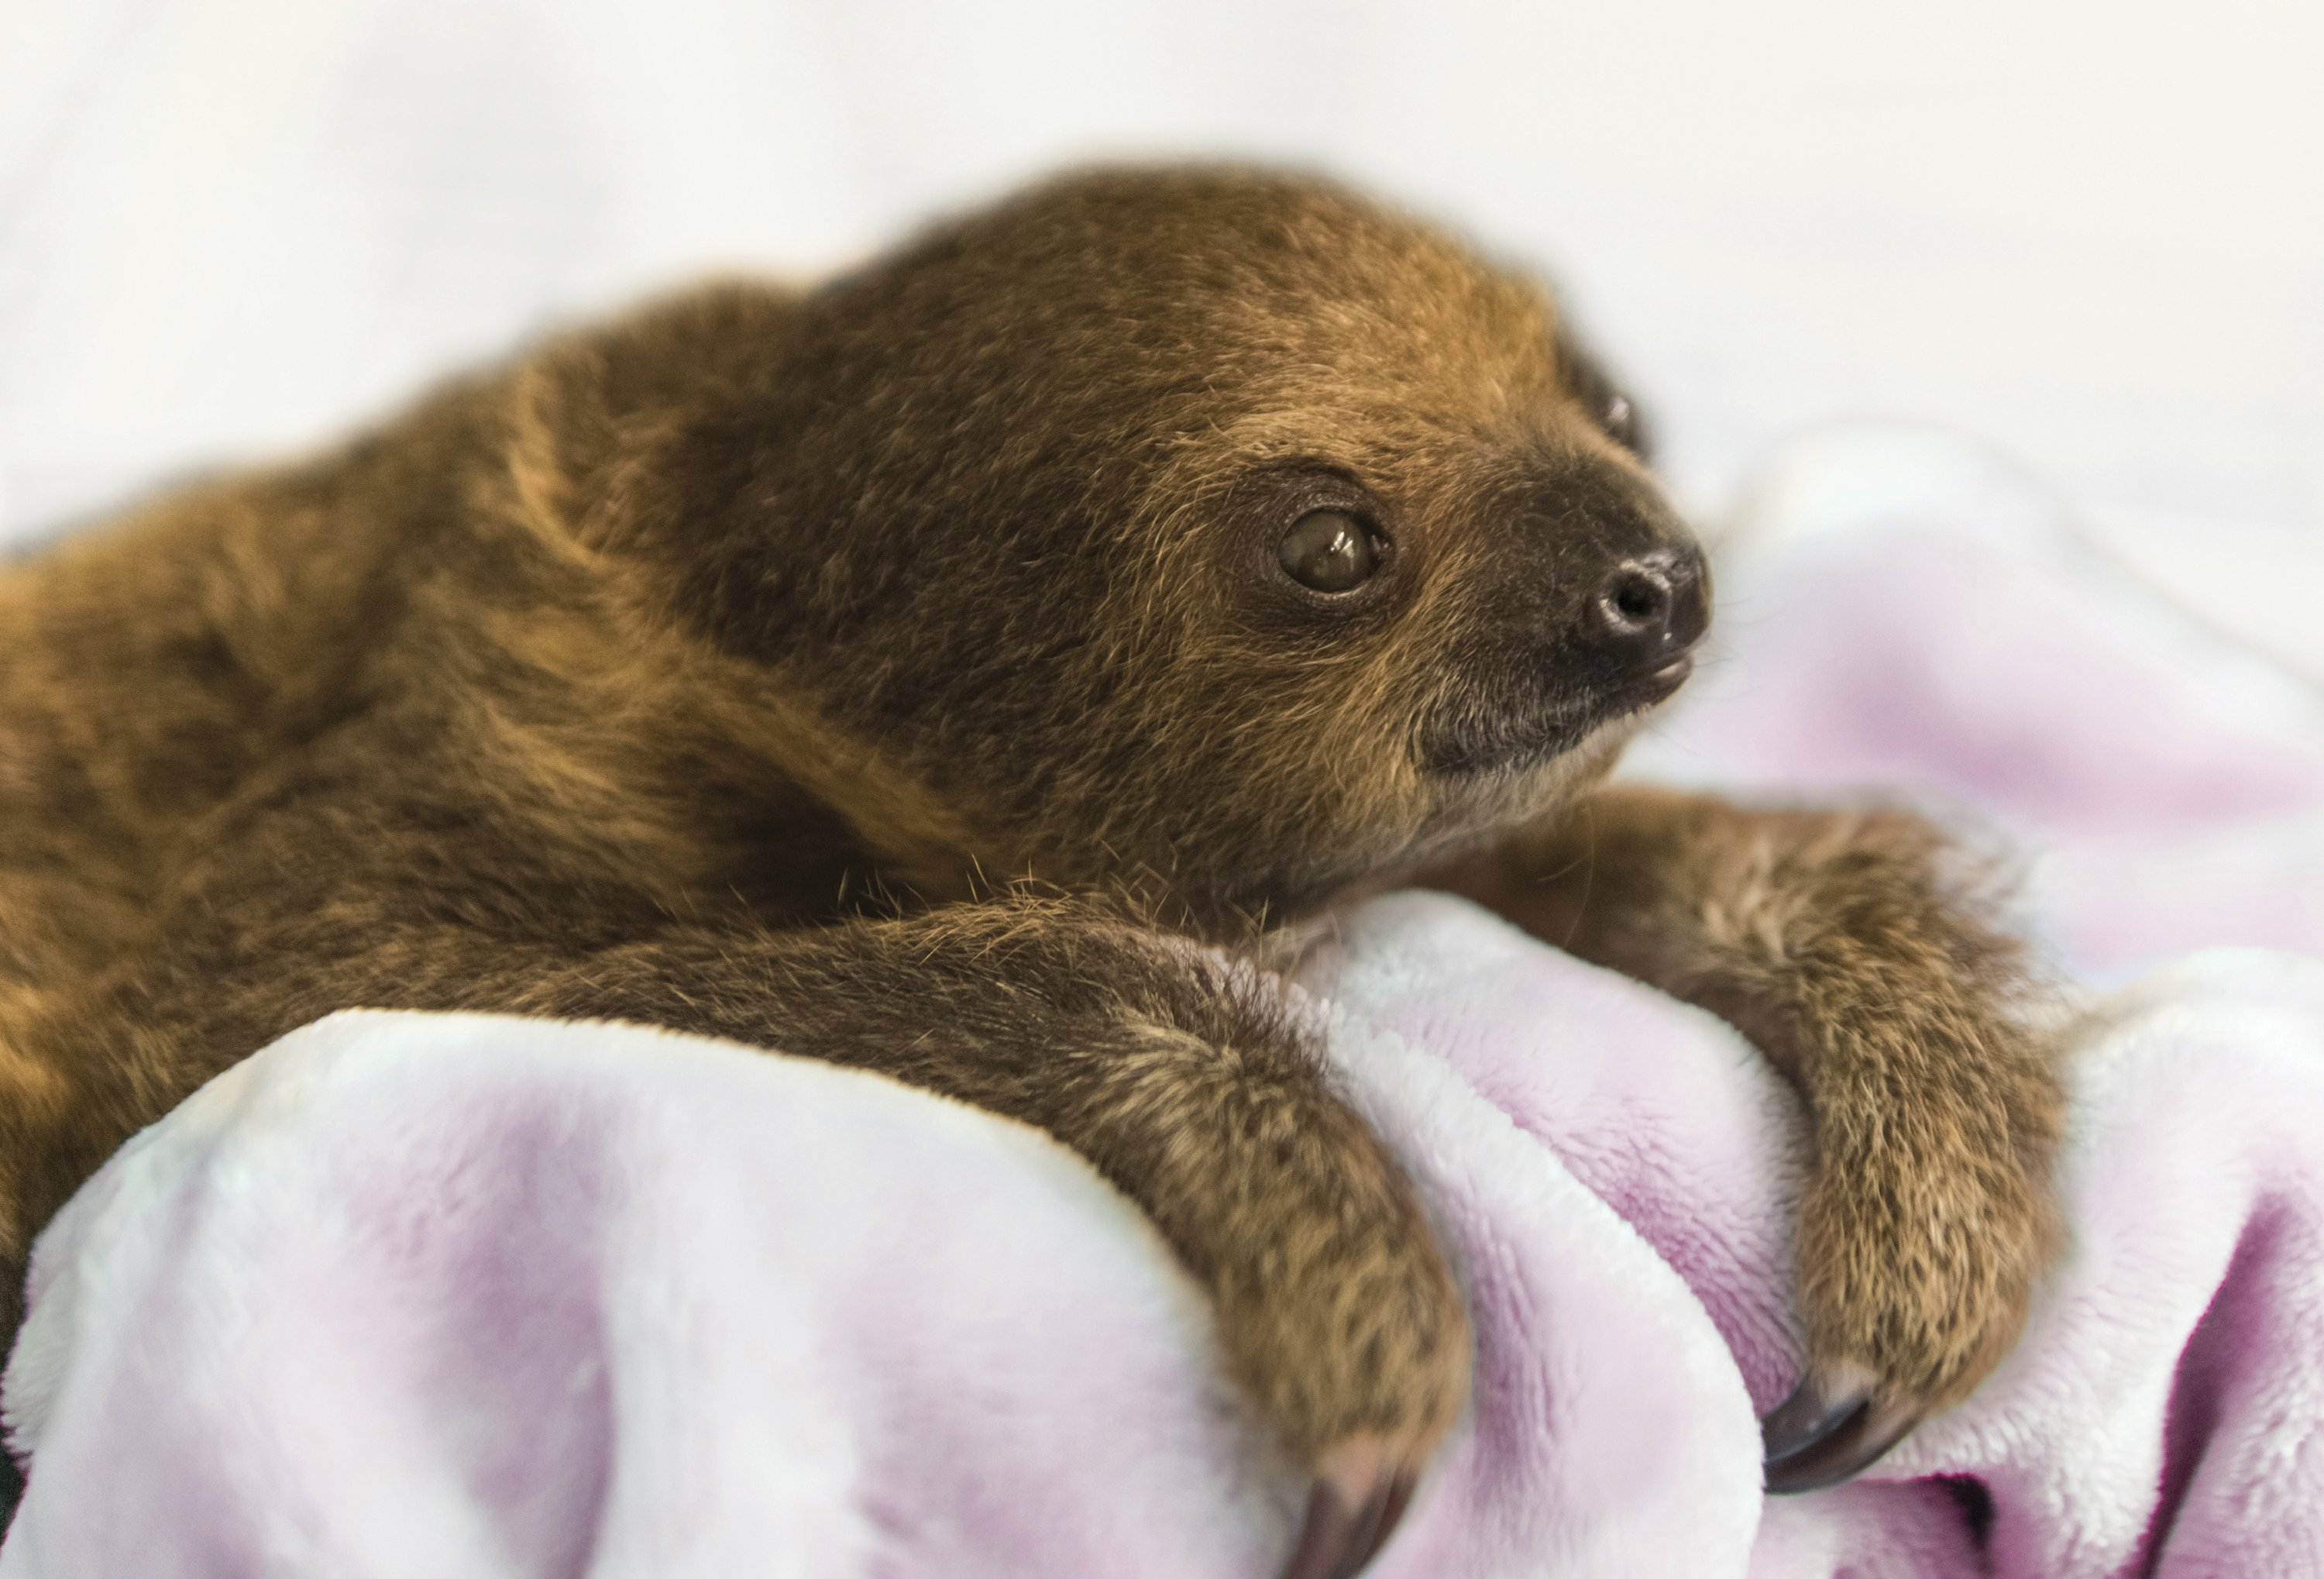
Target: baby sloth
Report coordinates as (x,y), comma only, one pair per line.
(956,670)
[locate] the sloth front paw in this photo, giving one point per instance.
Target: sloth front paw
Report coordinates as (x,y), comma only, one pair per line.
(1924,1226)
(1351,1336)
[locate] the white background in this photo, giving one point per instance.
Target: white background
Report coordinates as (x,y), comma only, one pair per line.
(2091,231)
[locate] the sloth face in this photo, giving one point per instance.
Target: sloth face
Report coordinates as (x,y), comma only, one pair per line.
(1563,603)
(1217,529)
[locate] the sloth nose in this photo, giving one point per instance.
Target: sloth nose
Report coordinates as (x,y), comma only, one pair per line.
(1650,610)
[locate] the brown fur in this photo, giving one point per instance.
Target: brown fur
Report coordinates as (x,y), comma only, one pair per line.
(1853,948)
(731,666)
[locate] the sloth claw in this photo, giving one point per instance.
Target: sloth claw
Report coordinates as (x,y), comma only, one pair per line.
(1358,1497)
(1828,1430)
(1811,1414)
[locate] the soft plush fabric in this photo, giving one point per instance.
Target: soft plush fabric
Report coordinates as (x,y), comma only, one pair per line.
(1904,612)
(458,1295)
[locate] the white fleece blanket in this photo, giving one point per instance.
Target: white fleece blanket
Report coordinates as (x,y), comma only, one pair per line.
(457,1295)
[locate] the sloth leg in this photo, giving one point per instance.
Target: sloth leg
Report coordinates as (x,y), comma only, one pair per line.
(1177,1074)
(1182,1079)
(1857,951)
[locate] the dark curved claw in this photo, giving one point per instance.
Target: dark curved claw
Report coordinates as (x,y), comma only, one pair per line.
(1823,1434)
(1399,1497)
(1352,1510)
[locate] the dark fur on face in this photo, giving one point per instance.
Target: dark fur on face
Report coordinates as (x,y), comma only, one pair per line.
(1006,508)
(909,672)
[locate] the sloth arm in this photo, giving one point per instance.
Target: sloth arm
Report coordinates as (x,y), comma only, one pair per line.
(1177,1074)
(1854,949)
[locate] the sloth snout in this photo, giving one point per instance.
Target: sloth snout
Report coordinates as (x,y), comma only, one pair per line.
(1649,611)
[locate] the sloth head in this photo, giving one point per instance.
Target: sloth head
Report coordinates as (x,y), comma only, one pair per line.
(1210,531)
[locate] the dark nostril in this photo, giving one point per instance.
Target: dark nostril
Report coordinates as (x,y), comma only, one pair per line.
(1637,602)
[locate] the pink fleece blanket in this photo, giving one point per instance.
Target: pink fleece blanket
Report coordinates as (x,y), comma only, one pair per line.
(456,1296)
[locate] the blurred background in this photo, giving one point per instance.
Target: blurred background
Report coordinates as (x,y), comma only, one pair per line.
(2088,232)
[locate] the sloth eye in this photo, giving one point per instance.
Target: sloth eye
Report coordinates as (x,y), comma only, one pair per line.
(1609,408)
(1329,550)
(1619,420)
